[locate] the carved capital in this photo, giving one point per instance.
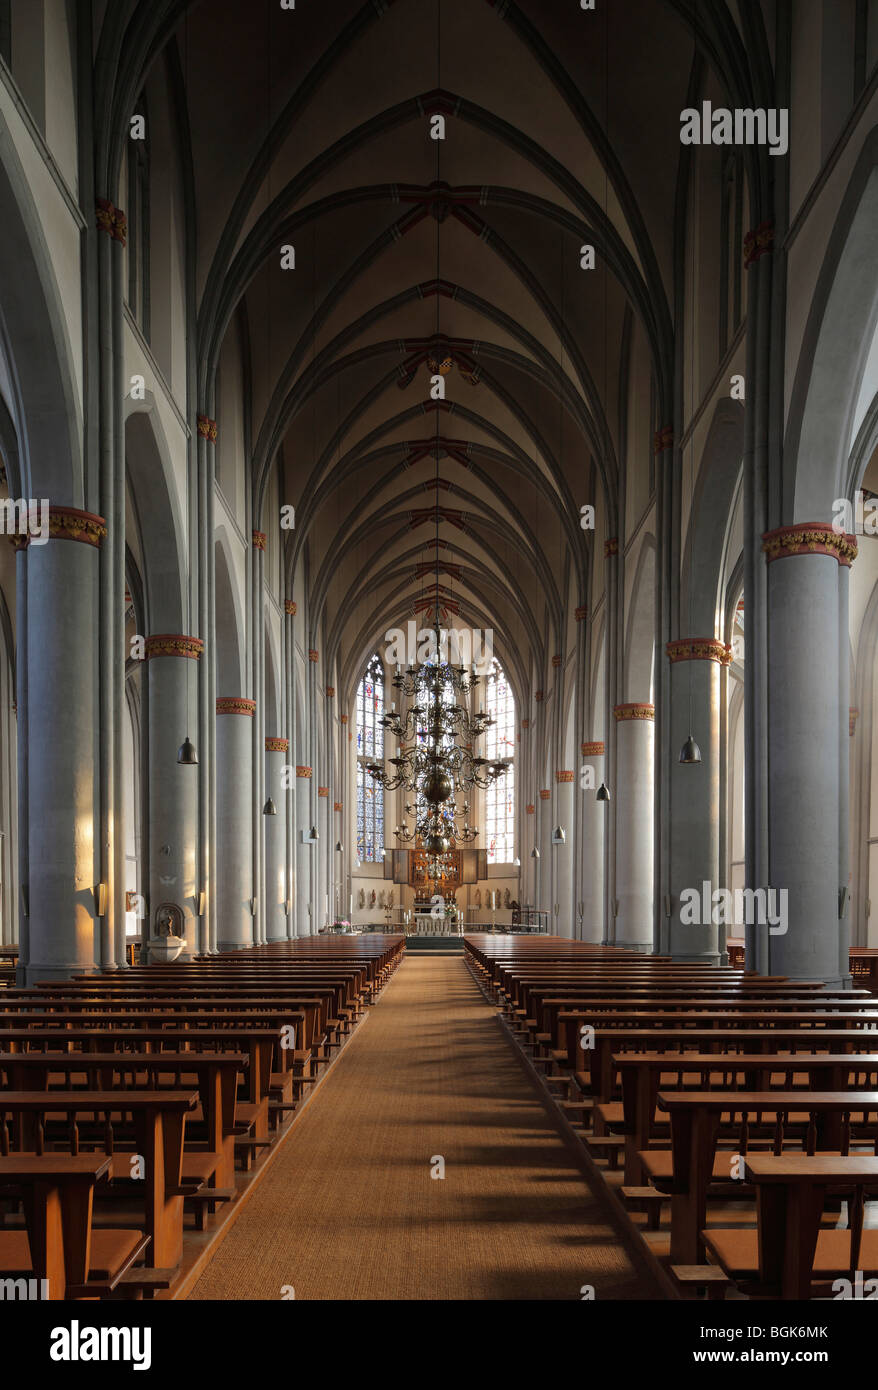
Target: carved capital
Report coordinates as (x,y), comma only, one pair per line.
(633,711)
(699,649)
(174,644)
(277,745)
(809,538)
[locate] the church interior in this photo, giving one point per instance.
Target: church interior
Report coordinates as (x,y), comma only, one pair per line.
(438,652)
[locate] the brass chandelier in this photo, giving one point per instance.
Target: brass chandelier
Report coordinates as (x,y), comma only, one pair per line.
(436,767)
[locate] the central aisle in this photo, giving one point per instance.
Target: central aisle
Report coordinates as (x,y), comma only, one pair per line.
(349,1209)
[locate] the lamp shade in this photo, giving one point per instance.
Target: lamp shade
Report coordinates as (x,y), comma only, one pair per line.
(186,755)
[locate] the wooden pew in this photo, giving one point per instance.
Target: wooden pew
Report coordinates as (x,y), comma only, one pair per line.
(59,1244)
(688,1169)
(788,1254)
(158,1124)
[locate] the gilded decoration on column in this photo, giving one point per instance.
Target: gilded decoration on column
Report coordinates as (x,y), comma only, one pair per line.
(174,644)
(323,791)
(634,711)
(538,697)
(611,547)
(303,772)
(235,704)
(699,649)
(68,524)
(525,723)
(853,715)
(758,242)
(545,793)
(342,719)
(530,808)
(563,776)
(313,654)
(260,540)
(290,607)
(556,660)
(277,745)
(206,428)
(663,439)
(330,692)
(337,806)
(809,538)
(592,750)
(581,613)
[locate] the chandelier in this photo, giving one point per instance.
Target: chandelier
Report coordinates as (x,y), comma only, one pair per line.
(432,763)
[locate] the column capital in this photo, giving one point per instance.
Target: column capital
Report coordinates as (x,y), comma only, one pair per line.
(581,613)
(111,220)
(313,654)
(260,540)
(809,538)
(174,644)
(699,649)
(290,607)
(277,745)
(592,750)
(323,791)
(530,808)
(342,719)
(557,659)
(538,696)
(663,439)
(611,547)
(206,428)
(337,806)
(525,723)
(633,711)
(545,793)
(758,242)
(303,771)
(64,524)
(235,704)
(330,692)
(853,716)
(563,776)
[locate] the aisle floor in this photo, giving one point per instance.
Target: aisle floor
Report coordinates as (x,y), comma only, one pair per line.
(349,1208)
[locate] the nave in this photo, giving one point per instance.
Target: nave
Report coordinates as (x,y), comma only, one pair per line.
(351,1209)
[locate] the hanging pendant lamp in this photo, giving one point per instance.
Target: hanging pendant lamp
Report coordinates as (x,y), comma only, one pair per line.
(602,793)
(186,755)
(690,752)
(269,809)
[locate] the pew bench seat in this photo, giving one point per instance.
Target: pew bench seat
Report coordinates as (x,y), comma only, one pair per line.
(736,1251)
(111,1255)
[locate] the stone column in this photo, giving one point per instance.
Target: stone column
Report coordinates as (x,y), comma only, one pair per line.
(234,822)
(63,856)
(304,851)
(543,898)
(804,781)
(173,788)
(635,732)
(844,770)
(290,781)
(694,795)
(594,815)
(325,851)
(565,923)
(276,890)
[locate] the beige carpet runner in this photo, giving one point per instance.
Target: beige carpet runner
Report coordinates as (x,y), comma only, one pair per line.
(349,1209)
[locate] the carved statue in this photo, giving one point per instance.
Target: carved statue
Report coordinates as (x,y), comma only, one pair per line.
(372,898)
(168,920)
(361,898)
(507,898)
(478,898)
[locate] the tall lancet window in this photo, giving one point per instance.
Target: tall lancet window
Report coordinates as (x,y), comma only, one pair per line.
(370,748)
(500,743)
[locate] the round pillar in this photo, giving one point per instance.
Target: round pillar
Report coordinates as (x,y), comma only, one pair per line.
(696,665)
(563,855)
(63,936)
(325,851)
(594,815)
(173,787)
(304,851)
(234,822)
(543,897)
(276,892)
(635,738)
(804,780)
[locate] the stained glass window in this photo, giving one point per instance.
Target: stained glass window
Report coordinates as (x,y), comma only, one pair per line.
(370,748)
(499,829)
